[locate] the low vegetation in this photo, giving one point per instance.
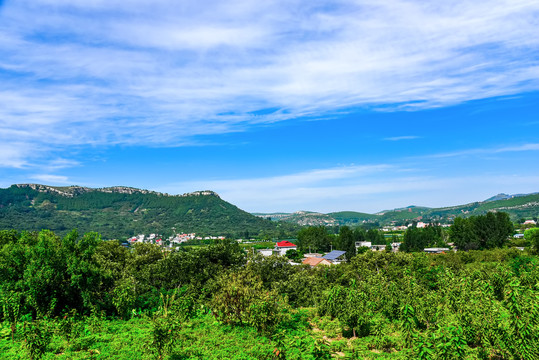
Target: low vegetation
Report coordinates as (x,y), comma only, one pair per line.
(79,297)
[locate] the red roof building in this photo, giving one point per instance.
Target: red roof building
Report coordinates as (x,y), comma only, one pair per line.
(285,243)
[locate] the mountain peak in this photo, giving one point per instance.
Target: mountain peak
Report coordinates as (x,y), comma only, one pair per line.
(202,193)
(500,196)
(74,190)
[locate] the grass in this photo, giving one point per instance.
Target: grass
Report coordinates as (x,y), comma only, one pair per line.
(204,338)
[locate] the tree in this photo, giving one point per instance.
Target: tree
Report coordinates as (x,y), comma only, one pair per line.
(294,255)
(240,299)
(481,232)
(461,233)
(416,239)
(314,238)
(375,237)
(532,236)
(347,242)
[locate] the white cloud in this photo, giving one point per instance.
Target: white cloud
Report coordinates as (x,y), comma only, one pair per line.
(161,72)
(51,179)
(358,188)
(488,151)
(13,155)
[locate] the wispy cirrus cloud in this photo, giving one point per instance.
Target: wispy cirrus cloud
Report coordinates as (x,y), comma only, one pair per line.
(488,151)
(404,137)
(367,188)
(51,179)
(130,72)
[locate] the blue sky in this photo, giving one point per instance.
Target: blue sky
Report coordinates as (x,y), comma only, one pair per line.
(277,106)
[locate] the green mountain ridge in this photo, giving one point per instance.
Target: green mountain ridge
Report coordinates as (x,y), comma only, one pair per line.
(517,206)
(120,212)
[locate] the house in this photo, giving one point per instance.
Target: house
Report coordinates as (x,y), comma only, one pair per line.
(284,246)
(269,252)
(532,222)
(315,261)
(378,247)
(363,244)
(335,256)
(518,236)
(435,250)
(308,255)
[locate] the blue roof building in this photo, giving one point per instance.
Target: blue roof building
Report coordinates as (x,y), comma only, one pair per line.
(334,255)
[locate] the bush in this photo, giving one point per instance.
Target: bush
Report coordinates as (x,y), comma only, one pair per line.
(241,300)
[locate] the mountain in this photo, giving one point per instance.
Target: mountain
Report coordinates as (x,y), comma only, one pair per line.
(500,196)
(517,206)
(503,196)
(119,212)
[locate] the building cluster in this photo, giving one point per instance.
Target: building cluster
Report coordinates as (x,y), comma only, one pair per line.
(171,240)
(313,259)
(335,256)
(394,246)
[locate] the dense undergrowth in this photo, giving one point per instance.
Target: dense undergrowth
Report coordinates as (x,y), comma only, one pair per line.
(83,298)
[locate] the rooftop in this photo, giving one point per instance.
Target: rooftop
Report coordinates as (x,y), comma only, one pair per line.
(334,254)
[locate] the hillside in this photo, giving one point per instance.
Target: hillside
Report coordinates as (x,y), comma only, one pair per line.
(119,212)
(517,206)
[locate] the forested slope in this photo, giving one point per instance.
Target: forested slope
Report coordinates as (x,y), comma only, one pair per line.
(120,212)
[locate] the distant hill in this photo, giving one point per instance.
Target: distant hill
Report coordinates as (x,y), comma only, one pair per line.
(119,212)
(500,196)
(503,196)
(517,206)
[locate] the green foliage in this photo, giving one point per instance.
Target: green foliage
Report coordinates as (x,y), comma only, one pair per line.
(416,239)
(294,255)
(520,339)
(124,297)
(241,300)
(347,242)
(474,304)
(11,308)
(409,324)
(532,236)
(451,343)
(314,238)
(163,336)
(37,337)
(481,232)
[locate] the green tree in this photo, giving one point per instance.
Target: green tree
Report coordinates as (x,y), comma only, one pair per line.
(532,236)
(347,242)
(294,255)
(240,299)
(416,239)
(314,238)
(481,232)
(462,234)
(375,237)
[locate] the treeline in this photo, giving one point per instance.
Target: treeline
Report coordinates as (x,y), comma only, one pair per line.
(480,232)
(319,239)
(476,304)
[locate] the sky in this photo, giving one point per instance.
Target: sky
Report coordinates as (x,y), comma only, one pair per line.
(277,106)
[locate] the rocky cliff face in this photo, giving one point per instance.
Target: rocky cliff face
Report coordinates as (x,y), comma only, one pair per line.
(71,191)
